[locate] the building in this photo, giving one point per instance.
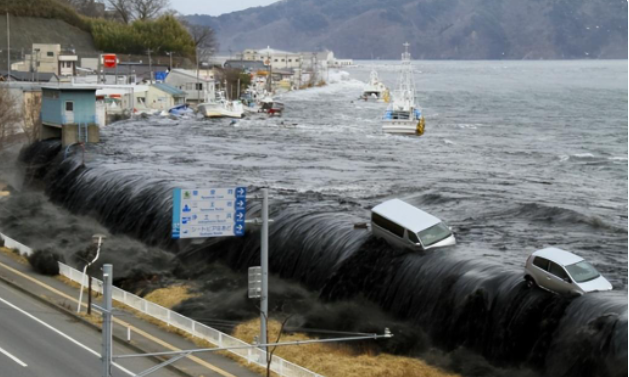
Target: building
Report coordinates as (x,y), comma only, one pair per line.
(160,96)
(198,87)
(249,66)
(28,76)
(69,113)
(48,58)
(277,59)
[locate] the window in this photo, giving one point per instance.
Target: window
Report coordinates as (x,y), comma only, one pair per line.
(50,54)
(198,86)
(387,225)
(69,106)
(434,234)
(296,60)
(541,263)
(558,271)
(290,60)
(583,272)
(413,237)
(276,60)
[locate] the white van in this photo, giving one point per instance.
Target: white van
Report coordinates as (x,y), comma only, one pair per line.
(407,226)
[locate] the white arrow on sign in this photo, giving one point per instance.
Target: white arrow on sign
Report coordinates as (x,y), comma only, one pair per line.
(241,191)
(239,227)
(240,203)
(240,215)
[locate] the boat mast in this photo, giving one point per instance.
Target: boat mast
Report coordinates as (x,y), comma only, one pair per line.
(406,83)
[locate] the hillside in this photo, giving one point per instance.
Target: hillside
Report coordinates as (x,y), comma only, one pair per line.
(436,29)
(28,30)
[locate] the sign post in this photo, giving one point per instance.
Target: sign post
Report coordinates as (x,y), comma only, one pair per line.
(211,212)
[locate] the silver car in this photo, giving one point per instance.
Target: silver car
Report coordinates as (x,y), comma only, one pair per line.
(406,226)
(562,272)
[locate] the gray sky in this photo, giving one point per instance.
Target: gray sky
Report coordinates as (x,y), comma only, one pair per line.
(215,7)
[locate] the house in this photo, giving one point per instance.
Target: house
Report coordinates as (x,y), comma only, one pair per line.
(48,58)
(69,113)
(161,96)
(198,88)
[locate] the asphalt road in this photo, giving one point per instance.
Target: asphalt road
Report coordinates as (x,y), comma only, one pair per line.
(38,341)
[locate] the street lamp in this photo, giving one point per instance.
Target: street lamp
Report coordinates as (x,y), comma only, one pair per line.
(98,240)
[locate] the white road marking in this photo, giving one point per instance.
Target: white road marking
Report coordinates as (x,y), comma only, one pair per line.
(64,335)
(7,354)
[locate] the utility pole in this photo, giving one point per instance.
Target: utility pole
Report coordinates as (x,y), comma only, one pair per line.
(264,263)
(8,49)
(106,354)
(170,56)
(99,68)
(149,51)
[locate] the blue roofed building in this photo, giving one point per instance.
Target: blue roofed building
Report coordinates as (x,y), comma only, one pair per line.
(161,96)
(69,113)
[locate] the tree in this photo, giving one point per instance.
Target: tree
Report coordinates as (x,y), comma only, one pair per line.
(204,37)
(148,9)
(9,116)
(123,9)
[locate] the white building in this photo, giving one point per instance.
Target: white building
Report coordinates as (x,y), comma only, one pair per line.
(198,88)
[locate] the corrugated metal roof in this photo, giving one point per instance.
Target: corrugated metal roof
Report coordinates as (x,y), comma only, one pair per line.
(169,89)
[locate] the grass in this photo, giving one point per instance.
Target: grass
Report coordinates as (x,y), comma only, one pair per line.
(15,255)
(171,296)
(340,360)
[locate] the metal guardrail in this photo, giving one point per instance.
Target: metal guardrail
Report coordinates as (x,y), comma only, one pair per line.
(253,356)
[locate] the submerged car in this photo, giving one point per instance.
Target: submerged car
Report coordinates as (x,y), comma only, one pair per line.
(562,272)
(407,226)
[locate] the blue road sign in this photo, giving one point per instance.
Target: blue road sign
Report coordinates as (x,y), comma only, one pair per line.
(212,212)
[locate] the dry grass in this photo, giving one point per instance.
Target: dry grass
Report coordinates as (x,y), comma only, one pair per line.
(14,254)
(171,296)
(340,360)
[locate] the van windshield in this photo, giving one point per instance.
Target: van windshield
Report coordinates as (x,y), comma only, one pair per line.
(582,272)
(434,234)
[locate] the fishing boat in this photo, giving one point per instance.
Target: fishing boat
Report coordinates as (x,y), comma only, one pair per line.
(220,107)
(375,89)
(403,115)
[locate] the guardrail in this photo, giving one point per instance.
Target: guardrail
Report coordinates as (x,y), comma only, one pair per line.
(252,355)
(10,243)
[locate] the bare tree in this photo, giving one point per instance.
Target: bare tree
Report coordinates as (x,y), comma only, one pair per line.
(123,9)
(9,116)
(148,9)
(31,122)
(204,37)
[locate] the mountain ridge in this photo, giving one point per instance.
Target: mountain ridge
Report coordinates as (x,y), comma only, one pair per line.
(436,29)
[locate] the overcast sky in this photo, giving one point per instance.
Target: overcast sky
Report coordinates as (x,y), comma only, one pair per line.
(215,7)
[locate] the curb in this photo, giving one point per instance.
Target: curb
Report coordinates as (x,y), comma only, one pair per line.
(72,315)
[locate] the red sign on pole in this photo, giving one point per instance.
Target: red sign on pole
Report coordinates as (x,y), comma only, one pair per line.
(110,60)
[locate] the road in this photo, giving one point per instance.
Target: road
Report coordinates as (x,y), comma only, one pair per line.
(39,341)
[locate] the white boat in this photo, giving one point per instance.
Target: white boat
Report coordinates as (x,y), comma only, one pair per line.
(375,89)
(403,115)
(222,108)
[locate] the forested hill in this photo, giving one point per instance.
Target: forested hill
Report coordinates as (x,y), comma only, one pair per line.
(436,29)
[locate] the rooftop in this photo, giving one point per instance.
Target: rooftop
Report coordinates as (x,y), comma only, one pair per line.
(562,257)
(406,215)
(169,89)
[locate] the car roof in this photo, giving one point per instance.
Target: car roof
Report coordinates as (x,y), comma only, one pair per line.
(562,257)
(406,215)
